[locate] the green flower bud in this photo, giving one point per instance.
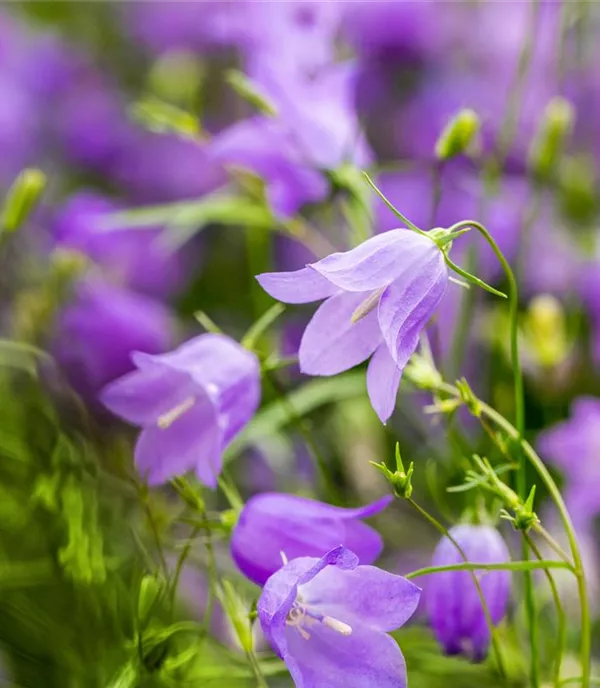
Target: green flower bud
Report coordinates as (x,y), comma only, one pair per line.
(22,198)
(545,331)
(548,144)
(458,136)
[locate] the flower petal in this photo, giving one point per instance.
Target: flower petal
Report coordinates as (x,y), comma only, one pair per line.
(192,441)
(383,379)
(299,286)
(377,261)
(408,303)
(364,596)
(333,343)
(142,396)
(364,659)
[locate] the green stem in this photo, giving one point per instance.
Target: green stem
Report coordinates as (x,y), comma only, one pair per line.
(256,670)
(181,563)
(542,471)
(488,617)
(544,564)
(560,612)
(543,533)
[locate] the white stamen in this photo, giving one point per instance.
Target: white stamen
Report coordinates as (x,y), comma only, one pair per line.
(337,626)
(367,305)
(168,418)
(284,559)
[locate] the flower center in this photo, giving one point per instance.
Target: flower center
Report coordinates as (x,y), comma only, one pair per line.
(168,418)
(300,616)
(367,305)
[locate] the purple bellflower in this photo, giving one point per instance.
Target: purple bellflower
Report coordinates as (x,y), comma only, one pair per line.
(190,404)
(453,603)
(379,297)
(328,620)
(272,523)
(574,447)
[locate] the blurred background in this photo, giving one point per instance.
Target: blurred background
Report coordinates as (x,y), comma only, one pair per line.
(188,146)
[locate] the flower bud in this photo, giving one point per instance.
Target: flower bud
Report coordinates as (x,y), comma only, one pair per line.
(453,603)
(556,125)
(545,331)
(458,135)
(22,198)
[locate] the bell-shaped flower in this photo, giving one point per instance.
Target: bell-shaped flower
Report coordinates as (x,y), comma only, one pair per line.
(190,404)
(328,620)
(272,523)
(453,603)
(379,297)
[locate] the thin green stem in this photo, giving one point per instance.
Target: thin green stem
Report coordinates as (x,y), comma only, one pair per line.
(542,471)
(407,222)
(181,562)
(256,670)
(544,564)
(488,617)
(543,533)
(560,612)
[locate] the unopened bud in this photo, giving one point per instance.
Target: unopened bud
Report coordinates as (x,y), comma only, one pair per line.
(458,135)
(546,331)
(548,144)
(22,198)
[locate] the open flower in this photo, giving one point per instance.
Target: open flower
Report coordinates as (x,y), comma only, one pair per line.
(272,523)
(190,403)
(328,620)
(379,296)
(453,602)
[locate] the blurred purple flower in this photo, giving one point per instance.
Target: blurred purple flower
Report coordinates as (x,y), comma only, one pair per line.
(574,446)
(97,332)
(316,130)
(272,523)
(453,604)
(190,404)
(328,620)
(379,297)
(133,257)
(589,288)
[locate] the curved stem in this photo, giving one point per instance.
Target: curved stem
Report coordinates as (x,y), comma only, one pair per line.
(488,617)
(543,564)
(542,471)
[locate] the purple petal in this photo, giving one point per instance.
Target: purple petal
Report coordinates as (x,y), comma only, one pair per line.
(192,441)
(408,303)
(228,373)
(300,286)
(377,261)
(383,379)
(364,659)
(332,343)
(142,396)
(365,596)
(281,590)
(272,523)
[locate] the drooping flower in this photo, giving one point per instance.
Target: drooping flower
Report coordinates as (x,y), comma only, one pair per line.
(453,603)
(99,329)
(574,446)
(328,620)
(190,404)
(272,523)
(379,297)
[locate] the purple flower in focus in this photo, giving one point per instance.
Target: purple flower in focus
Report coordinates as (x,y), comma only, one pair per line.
(99,329)
(574,447)
(453,603)
(272,523)
(190,404)
(379,297)
(328,620)
(132,257)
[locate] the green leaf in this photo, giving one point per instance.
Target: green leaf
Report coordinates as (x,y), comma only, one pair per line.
(250,92)
(307,398)
(164,118)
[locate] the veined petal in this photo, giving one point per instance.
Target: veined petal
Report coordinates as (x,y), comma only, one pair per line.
(363,659)
(141,396)
(191,442)
(408,303)
(364,596)
(299,286)
(383,379)
(332,343)
(377,261)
